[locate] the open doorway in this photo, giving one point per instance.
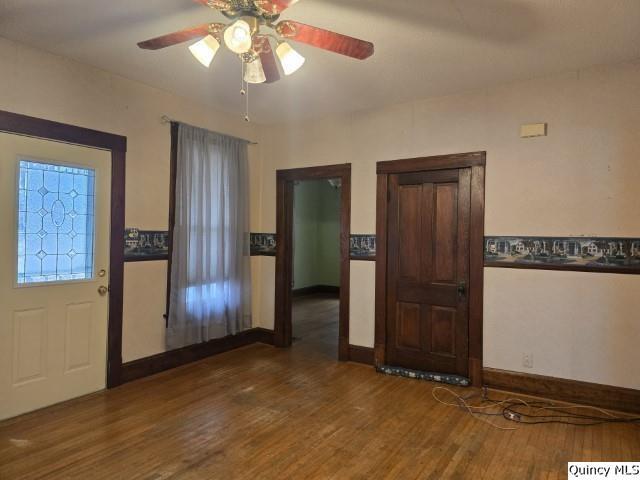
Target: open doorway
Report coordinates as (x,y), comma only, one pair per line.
(316,265)
(316,317)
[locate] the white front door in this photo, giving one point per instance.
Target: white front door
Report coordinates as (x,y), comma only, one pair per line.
(54,242)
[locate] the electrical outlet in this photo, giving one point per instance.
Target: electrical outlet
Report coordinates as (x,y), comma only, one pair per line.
(527,360)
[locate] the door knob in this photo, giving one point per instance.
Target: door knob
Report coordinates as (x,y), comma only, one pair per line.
(102,290)
(462,288)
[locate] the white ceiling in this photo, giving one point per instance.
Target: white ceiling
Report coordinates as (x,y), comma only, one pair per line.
(423,47)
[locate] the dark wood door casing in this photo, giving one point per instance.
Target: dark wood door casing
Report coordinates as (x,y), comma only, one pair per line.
(284,249)
(429,300)
(61,132)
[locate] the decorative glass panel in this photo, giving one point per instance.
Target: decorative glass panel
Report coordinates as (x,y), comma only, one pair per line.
(55,222)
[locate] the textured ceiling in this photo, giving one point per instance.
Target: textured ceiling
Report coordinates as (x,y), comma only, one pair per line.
(424,48)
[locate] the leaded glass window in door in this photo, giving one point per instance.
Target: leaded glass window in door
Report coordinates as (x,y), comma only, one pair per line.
(56,214)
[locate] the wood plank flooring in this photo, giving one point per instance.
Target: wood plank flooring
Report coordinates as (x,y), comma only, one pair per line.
(315,324)
(266,413)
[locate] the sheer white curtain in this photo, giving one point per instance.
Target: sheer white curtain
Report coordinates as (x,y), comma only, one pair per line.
(210,293)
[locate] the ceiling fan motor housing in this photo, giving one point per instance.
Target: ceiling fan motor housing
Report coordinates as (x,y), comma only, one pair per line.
(233,9)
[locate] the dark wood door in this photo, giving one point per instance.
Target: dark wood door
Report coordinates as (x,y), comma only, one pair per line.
(428,270)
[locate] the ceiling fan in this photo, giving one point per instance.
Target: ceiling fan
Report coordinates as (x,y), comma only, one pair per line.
(248,37)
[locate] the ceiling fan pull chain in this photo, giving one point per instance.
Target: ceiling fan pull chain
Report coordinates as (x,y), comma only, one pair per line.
(245,92)
(246,114)
(242,90)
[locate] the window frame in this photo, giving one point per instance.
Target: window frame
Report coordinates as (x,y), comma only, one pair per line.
(173,167)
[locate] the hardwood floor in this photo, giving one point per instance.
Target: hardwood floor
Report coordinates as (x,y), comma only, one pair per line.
(315,324)
(266,413)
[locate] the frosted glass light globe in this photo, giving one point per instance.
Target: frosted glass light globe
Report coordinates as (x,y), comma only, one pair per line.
(238,37)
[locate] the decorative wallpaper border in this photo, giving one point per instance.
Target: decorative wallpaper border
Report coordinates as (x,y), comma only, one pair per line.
(362,247)
(145,245)
(262,244)
(590,254)
(596,254)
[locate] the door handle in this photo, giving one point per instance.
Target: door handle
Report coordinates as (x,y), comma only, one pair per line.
(462,289)
(102,290)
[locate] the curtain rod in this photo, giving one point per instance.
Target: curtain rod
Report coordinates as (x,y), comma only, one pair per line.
(166,119)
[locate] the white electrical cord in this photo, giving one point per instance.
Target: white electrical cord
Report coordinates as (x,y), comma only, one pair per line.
(462,402)
(477,410)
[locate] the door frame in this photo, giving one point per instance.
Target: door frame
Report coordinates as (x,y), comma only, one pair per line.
(284,249)
(61,132)
(477,162)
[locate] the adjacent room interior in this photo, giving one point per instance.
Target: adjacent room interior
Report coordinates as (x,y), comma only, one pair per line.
(316,265)
(319,239)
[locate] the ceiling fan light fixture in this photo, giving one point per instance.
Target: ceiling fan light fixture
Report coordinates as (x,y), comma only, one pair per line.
(290,60)
(254,72)
(204,50)
(237,36)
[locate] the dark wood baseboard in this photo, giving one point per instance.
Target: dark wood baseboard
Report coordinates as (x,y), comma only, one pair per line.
(298,292)
(573,391)
(181,356)
(361,354)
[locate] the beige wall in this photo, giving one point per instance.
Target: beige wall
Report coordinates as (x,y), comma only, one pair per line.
(36,83)
(582,179)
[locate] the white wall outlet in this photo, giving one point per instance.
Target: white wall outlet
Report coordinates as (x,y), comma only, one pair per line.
(527,360)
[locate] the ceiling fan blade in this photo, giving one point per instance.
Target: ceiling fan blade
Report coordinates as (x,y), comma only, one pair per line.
(181,36)
(274,7)
(318,37)
(268,59)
